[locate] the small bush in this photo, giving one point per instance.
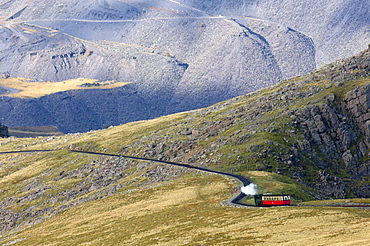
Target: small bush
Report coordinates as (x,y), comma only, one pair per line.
(89,84)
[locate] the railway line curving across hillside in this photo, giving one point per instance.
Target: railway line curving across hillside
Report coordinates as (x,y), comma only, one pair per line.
(236,200)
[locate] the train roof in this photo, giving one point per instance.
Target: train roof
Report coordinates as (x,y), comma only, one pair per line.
(272,195)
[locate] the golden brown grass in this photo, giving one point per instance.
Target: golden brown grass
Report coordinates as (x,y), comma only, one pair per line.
(182,212)
(20,166)
(28,89)
(109,140)
(187,212)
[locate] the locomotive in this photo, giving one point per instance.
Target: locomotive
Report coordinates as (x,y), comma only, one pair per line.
(271,200)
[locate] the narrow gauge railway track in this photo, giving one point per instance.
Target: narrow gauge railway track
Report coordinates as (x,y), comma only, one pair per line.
(336,206)
(235,200)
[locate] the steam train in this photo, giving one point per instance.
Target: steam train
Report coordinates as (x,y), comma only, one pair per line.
(271,200)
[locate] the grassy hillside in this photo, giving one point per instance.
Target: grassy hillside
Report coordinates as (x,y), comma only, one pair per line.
(279,137)
(188,212)
(25,88)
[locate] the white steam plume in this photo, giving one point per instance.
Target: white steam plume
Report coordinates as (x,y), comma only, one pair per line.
(250,189)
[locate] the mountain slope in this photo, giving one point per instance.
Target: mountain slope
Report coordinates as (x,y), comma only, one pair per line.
(338,28)
(307,136)
(180,55)
(299,128)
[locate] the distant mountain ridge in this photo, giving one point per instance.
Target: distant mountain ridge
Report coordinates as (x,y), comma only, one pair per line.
(180,55)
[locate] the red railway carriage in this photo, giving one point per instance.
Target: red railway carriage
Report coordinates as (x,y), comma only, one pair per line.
(271,200)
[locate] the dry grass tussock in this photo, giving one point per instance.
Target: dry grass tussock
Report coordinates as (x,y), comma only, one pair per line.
(187,212)
(27,89)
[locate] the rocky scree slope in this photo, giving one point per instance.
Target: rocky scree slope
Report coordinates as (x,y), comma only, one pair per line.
(179,55)
(339,28)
